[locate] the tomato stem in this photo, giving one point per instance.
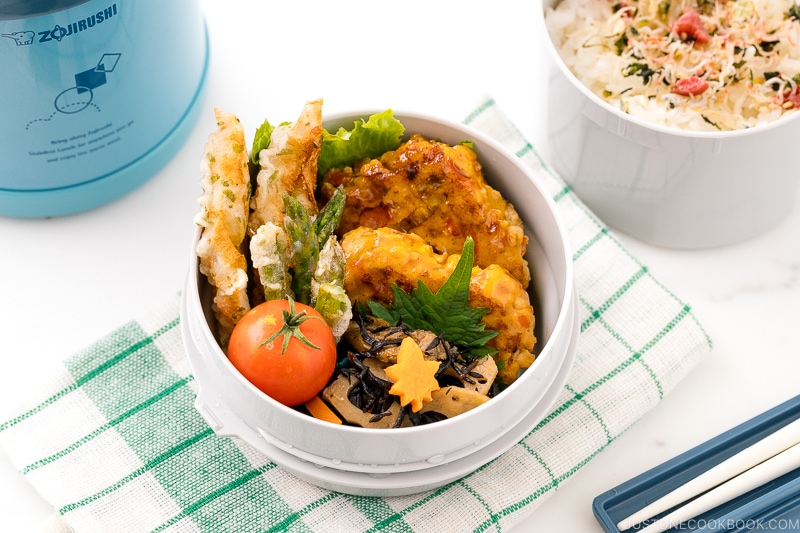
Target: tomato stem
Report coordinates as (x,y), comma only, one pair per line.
(291,328)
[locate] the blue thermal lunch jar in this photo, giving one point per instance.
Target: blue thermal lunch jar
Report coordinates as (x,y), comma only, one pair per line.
(95,97)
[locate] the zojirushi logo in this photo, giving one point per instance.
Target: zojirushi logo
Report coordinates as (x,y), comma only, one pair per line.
(58,32)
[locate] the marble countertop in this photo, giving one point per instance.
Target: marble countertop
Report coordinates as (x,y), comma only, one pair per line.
(67,281)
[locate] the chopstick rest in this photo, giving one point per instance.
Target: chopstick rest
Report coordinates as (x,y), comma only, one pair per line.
(748,458)
(770,469)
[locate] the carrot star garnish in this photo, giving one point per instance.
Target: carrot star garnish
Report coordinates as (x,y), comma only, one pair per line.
(414,378)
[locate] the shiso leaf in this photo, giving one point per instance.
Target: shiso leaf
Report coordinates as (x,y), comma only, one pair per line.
(446,313)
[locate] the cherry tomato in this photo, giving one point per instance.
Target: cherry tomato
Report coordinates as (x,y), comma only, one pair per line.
(284,348)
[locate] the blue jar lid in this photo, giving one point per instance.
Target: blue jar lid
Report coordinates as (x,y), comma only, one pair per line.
(18,9)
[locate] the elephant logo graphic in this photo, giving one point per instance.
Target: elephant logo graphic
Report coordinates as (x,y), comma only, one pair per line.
(22,38)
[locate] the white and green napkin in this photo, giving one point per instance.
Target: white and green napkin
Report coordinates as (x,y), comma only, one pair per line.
(115,444)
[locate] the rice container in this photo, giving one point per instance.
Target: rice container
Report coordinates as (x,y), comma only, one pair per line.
(665,186)
(382,462)
(96,97)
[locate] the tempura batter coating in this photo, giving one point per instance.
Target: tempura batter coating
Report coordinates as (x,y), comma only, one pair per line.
(378,258)
(225,181)
(438,192)
(288,166)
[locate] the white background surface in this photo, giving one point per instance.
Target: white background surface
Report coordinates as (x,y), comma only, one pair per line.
(70,280)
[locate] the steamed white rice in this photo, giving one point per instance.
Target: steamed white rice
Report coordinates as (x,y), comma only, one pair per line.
(625,52)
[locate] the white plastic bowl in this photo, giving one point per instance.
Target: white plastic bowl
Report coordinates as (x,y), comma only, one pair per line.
(666,186)
(354,459)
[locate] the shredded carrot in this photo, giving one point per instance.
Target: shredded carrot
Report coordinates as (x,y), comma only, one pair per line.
(319,409)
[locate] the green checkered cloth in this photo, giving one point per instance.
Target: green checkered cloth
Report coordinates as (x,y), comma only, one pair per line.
(115,445)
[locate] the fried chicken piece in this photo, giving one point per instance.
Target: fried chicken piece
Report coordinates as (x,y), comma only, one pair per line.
(288,166)
(378,258)
(225,181)
(438,192)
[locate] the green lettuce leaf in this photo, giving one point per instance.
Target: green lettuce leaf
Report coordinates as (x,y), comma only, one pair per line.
(379,134)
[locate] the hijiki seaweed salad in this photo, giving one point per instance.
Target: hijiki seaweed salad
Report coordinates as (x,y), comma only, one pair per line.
(368,276)
(698,65)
